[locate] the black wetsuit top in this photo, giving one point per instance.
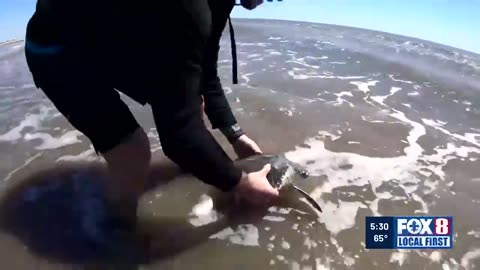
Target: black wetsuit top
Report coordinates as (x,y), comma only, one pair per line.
(189,143)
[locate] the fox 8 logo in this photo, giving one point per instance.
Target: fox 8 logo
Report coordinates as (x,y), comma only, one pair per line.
(423,226)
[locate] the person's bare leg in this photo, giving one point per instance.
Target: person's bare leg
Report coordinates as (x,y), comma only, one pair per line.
(128,164)
(202,107)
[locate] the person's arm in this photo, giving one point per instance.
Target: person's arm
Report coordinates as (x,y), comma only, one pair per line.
(217,107)
(187,142)
(184,137)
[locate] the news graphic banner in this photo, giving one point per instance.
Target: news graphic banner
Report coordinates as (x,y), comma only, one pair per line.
(409,232)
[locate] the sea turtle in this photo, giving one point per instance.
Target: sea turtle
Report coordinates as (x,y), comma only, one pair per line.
(283,172)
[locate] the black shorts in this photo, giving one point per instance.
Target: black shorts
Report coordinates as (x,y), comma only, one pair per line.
(82,95)
(163,72)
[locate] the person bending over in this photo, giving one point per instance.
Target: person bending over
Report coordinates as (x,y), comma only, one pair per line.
(161,53)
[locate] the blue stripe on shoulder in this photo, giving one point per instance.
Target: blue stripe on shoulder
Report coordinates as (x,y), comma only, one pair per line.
(42,49)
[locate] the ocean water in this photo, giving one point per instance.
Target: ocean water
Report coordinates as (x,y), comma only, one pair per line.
(385,124)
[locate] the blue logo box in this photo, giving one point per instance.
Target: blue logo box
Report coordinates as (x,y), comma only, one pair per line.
(409,232)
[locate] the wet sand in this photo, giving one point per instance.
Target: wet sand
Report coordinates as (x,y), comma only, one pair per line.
(386,125)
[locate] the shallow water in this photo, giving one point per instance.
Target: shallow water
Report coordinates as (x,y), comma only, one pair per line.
(386,125)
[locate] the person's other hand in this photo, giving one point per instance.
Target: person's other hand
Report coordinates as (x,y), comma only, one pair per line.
(254,188)
(251,4)
(245,147)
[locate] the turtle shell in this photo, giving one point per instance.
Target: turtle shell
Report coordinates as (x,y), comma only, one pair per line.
(282,173)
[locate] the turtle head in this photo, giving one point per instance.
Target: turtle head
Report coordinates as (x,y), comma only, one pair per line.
(302,172)
(284,171)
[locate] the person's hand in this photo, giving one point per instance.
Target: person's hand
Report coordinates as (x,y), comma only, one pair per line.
(254,188)
(245,147)
(251,4)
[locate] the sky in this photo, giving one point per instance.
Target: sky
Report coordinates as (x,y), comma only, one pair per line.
(451,22)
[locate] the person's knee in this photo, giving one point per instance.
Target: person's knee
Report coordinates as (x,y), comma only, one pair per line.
(132,156)
(140,141)
(202,108)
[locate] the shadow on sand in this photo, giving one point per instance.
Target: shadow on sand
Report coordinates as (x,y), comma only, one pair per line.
(57,214)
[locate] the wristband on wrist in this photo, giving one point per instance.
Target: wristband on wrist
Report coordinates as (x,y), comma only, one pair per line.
(232,133)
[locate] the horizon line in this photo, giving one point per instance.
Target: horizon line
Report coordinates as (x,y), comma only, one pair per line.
(360,28)
(319,23)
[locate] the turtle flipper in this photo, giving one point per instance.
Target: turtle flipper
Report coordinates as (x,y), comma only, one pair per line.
(309,198)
